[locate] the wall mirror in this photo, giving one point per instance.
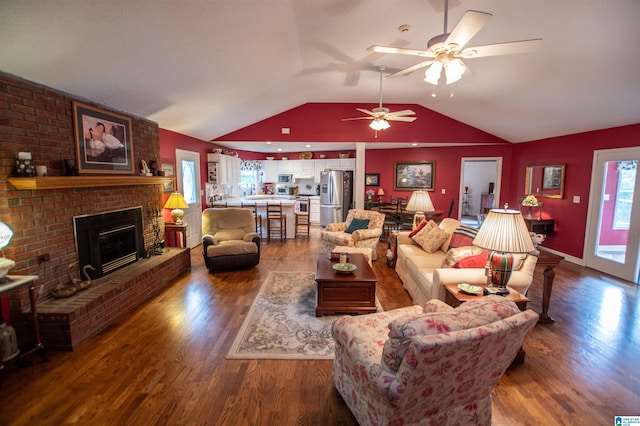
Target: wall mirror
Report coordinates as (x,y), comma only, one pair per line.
(545,181)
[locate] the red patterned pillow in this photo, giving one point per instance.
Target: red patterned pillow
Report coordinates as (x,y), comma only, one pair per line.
(477,261)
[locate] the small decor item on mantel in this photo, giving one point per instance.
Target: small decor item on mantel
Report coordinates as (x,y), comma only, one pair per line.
(529,201)
(145,170)
(24,165)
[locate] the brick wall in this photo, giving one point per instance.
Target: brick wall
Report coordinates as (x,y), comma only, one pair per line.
(39,119)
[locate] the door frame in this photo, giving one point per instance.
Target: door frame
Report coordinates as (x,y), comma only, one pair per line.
(498,178)
(194,228)
(629,270)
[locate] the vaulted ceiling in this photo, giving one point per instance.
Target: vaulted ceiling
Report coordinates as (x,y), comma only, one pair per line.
(205,68)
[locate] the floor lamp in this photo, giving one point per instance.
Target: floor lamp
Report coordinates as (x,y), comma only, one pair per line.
(504,232)
(419,203)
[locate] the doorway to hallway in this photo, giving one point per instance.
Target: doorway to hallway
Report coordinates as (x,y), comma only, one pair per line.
(479,188)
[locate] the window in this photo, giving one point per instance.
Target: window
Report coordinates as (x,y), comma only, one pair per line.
(624,195)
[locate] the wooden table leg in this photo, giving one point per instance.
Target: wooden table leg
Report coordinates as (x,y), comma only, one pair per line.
(549,274)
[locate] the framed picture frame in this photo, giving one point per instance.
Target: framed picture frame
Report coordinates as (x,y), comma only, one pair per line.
(414,175)
(551,177)
(103,140)
(372,179)
(169,170)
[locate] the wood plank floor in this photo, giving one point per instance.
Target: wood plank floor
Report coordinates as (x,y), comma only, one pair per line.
(165,363)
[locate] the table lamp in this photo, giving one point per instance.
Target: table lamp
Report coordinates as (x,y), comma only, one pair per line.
(177,203)
(419,203)
(504,233)
(380,194)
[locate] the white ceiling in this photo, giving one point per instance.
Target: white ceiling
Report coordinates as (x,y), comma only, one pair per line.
(205,68)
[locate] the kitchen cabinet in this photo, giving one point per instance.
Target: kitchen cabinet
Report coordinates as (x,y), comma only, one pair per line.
(228,168)
(270,168)
(314,210)
(285,167)
(340,163)
(303,168)
(319,166)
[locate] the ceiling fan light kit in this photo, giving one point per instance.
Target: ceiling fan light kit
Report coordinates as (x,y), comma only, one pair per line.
(447,49)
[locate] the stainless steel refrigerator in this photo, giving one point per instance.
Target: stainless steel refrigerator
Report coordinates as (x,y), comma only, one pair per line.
(336,195)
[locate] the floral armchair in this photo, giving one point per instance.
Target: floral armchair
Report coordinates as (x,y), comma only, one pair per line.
(431,365)
(336,234)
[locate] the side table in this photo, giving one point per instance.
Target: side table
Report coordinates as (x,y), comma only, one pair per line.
(549,261)
(177,228)
(393,246)
(13,283)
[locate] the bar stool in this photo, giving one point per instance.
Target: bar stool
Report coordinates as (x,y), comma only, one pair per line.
(302,218)
(258,218)
(276,222)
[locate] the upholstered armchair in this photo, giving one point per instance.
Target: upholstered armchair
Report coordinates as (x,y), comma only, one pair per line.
(229,239)
(431,365)
(362,228)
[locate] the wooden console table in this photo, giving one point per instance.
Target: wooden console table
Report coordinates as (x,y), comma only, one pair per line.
(549,261)
(177,228)
(13,283)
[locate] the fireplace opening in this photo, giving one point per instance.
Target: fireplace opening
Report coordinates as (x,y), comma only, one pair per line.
(109,241)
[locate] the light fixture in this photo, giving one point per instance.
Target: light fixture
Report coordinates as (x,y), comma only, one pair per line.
(177,203)
(5,236)
(8,339)
(504,233)
(453,69)
(420,202)
(380,194)
(379,124)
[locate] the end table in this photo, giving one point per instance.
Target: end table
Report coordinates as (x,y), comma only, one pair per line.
(177,228)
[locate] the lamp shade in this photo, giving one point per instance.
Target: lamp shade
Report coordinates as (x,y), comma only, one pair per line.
(380,191)
(5,235)
(176,202)
(379,124)
(420,202)
(504,231)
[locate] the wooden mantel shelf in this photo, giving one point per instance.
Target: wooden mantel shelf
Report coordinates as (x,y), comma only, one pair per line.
(53,182)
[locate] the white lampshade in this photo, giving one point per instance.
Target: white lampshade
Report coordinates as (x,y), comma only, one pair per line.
(419,202)
(379,124)
(176,202)
(432,74)
(5,235)
(504,231)
(453,68)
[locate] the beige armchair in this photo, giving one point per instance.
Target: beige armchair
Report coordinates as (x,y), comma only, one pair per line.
(229,239)
(336,234)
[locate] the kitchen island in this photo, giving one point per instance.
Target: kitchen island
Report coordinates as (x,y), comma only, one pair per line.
(288,208)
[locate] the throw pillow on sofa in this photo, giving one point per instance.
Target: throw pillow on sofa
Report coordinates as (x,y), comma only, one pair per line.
(462,236)
(454,255)
(477,261)
(471,314)
(431,237)
(422,224)
(357,224)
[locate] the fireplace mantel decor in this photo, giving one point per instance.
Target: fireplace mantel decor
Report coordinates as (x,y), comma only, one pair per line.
(56,182)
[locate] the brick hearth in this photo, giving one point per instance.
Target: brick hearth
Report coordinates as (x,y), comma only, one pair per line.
(65,323)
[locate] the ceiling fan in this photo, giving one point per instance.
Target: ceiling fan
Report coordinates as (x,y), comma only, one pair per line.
(381,115)
(446,51)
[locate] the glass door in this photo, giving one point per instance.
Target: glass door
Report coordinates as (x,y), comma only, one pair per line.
(613,237)
(188,164)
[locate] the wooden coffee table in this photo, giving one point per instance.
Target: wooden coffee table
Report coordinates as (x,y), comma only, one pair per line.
(345,293)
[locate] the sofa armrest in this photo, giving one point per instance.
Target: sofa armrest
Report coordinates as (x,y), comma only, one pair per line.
(403,238)
(251,237)
(336,227)
(365,234)
(209,240)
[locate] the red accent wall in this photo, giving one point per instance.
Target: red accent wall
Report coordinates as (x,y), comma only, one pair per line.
(322,122)
(576,151)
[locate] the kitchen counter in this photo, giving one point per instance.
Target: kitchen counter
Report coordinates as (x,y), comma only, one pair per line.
(288,208)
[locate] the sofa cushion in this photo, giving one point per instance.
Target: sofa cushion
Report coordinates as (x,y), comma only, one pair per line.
(462,236)
(230,234)
(454,255)
(477,261)
(232,248)
(430,238)
(419,227)
(357,224)
(471,314)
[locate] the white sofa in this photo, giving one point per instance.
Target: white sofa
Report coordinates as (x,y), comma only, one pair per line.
(424,278)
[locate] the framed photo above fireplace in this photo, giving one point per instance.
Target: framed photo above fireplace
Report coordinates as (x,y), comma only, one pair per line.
(103,140)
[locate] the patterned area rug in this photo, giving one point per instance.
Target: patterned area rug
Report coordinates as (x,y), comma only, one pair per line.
(282,322)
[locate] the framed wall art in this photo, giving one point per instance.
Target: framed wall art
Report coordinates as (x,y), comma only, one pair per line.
(372,179)
(103,140)
(552,177)
(168,170)
(414,175)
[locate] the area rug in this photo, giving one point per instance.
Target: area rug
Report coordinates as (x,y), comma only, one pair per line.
(282,322)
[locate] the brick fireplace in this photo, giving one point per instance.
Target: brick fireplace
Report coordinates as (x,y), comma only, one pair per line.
(38,119)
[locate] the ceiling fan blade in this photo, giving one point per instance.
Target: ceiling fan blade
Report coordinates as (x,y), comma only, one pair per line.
(409,119)
(401,51)
(357,118)
(411,69)
(366,111)
(508,48)
(467,27)
(401,113)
